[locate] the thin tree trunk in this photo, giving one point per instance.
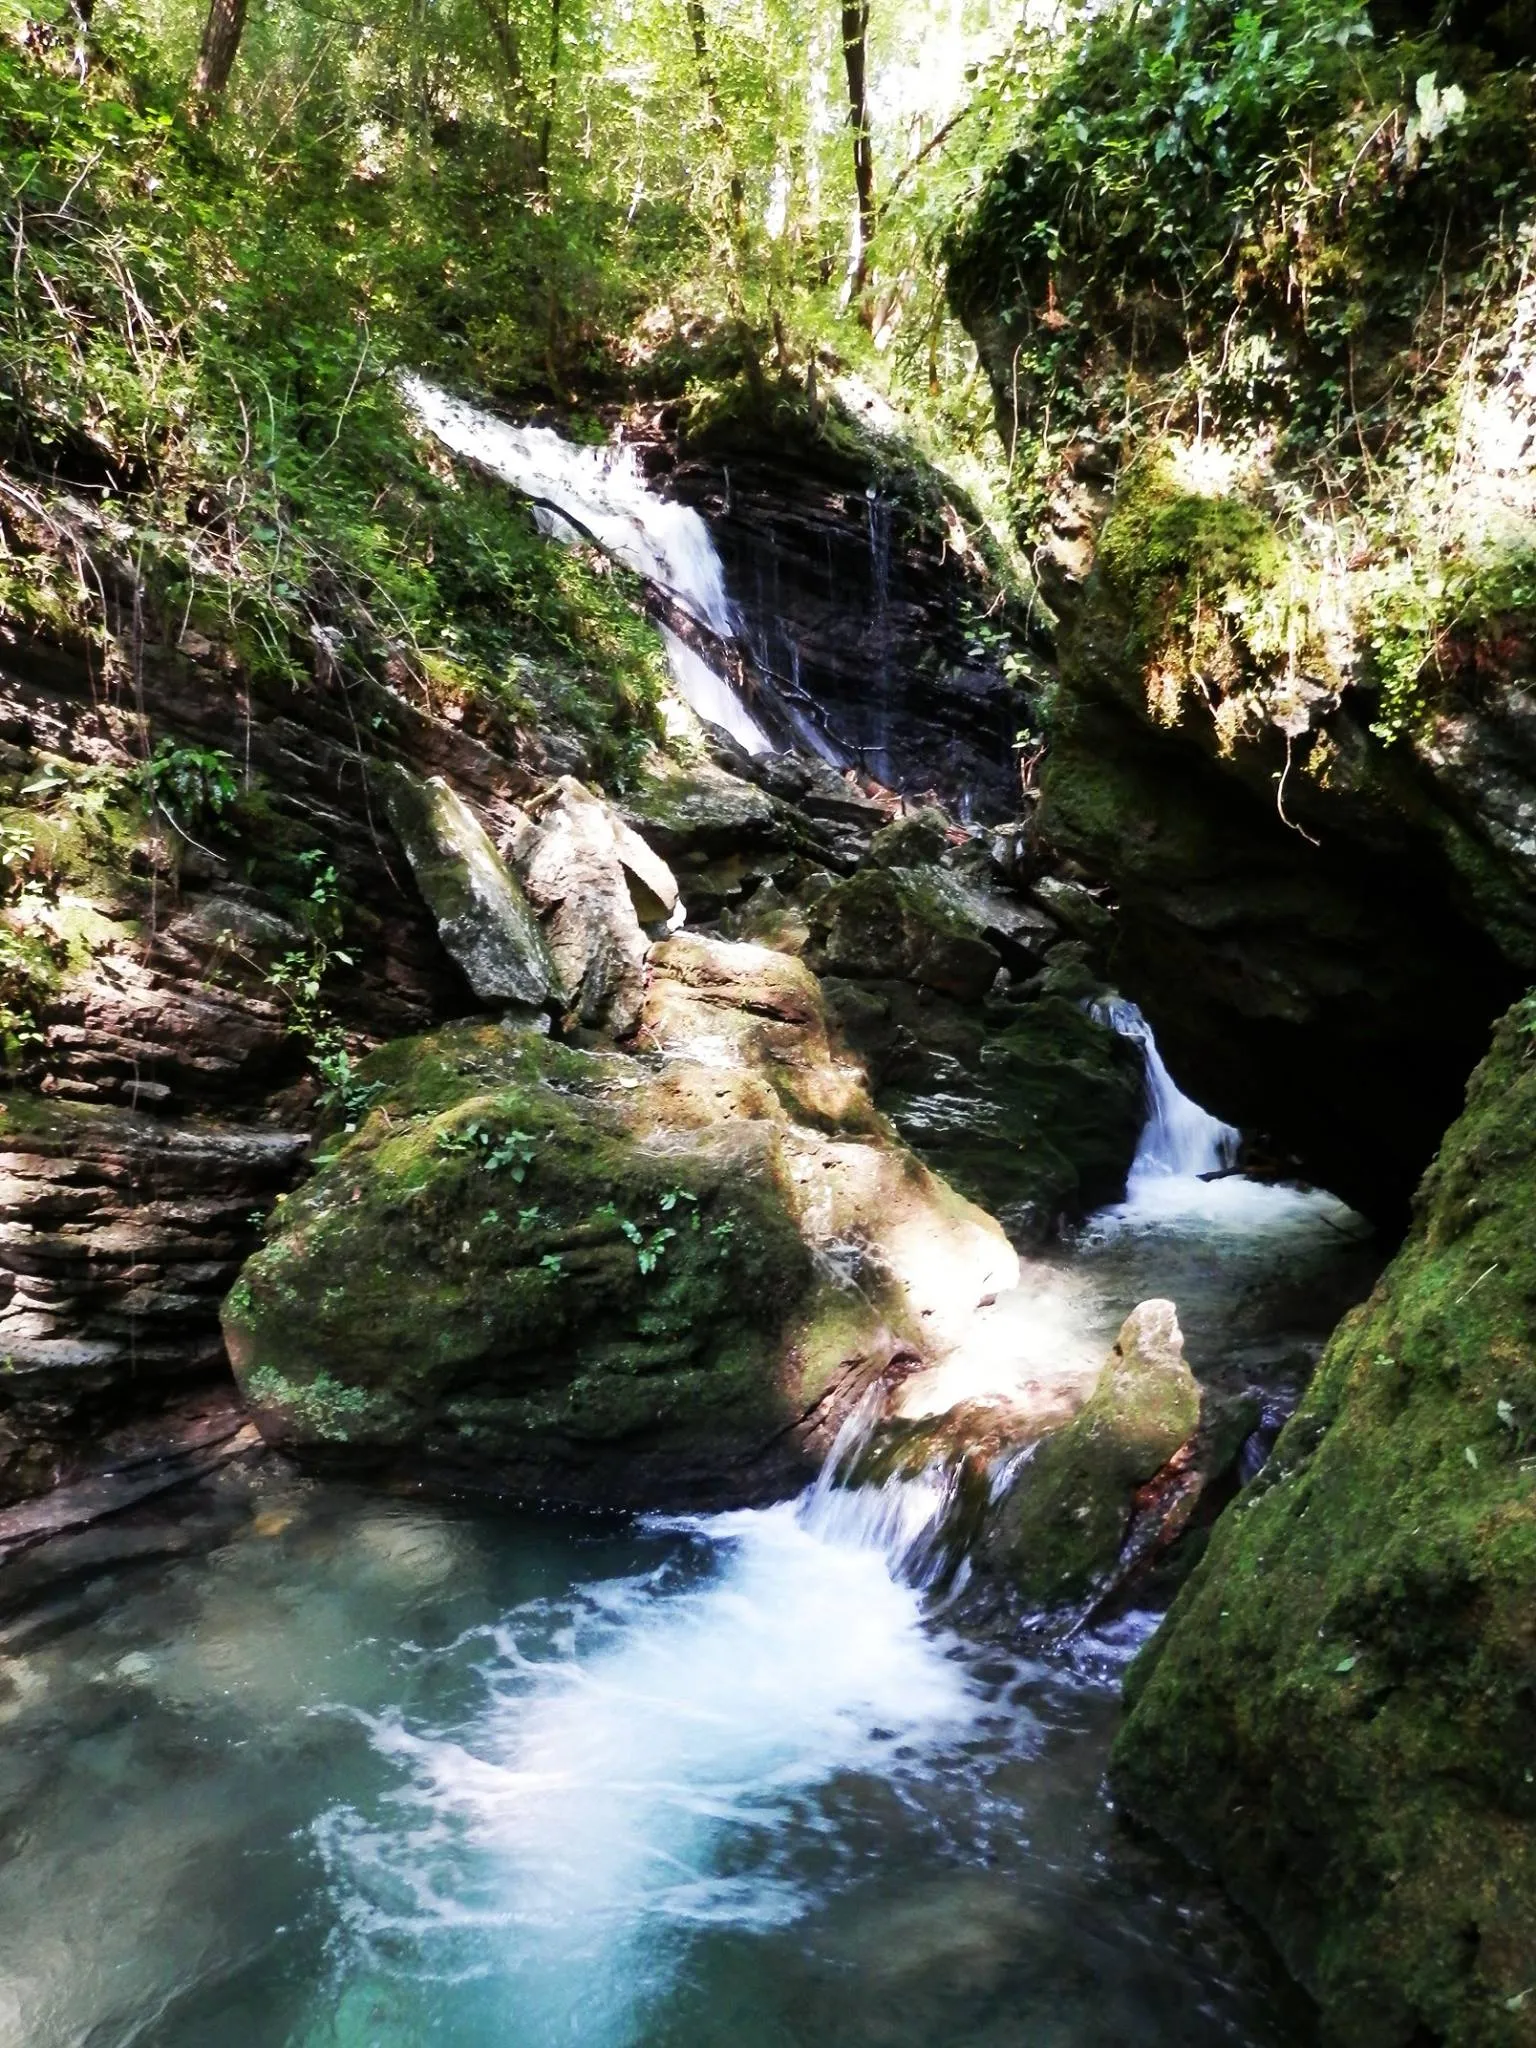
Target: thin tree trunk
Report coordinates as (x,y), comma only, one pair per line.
(221,43)
(546,126)
(501,28)
(855,60)
(82,10)
(697,24)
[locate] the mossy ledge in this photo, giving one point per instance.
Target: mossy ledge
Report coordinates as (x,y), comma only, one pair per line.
(1339,1715)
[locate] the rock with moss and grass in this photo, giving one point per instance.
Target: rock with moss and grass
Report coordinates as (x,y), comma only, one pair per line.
(577,1276)
(1054,1537)
(1337,1716)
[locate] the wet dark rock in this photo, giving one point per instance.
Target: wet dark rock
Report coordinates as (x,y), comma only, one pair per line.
(1331,994)
(858,592)
(1032,1108)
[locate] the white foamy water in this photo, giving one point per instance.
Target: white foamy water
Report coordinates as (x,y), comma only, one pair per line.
(637,1753)
(710,696)
(1180,1140)
(603,494)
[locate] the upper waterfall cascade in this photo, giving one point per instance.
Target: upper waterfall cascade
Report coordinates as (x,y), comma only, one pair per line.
(605,496)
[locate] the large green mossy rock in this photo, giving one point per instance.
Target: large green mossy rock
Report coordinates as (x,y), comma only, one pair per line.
(588,1278)
(1054,1537)
(1339,1715)
(913,922)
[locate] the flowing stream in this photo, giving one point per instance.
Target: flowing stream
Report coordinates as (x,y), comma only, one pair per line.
(289,1766)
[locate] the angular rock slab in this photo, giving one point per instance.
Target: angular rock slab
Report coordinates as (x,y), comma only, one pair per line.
(594,883)
(483,917)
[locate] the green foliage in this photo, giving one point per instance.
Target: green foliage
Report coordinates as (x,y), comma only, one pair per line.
(202,338)
(194,786)
(1255,202)
(1260,236)
(512,1152)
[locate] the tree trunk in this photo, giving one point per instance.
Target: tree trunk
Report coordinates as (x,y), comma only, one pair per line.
(697,24)
(855,60)
(500,25)
(221,43)
(546,126)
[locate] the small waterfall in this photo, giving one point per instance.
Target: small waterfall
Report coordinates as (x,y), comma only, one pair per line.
(900,1517)
(601,494)
(1180,1140)
(711,696)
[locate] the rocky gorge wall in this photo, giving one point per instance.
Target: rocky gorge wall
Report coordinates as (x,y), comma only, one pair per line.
(201,951)
(1286,556)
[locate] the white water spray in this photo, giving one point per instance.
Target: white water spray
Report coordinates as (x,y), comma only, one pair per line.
(640,1748)
(1180,1140)
(601,493)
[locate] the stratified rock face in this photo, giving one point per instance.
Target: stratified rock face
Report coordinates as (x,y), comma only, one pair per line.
(119,1236)
(1056,1534)
(1339,1715)
(483,917)
(857,588)
(585,1277)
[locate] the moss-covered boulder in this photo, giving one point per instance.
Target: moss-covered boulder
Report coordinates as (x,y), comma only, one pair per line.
(916,923)
(1055,1535)
(584,1277)
(1033,1108)
(1339,1715)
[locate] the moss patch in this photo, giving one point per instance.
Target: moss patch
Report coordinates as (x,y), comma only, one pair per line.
(592,1277)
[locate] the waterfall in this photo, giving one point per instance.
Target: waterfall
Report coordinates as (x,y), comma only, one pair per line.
(880,593)
(899,1518)
(602,494)
(1180,1140)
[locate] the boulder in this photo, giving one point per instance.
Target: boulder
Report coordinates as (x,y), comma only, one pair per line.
(914,840)
(594,882)
(582,1277)
(1055,1535)
(1033,1108)
(1336,1717)
(483,917)
(915,923)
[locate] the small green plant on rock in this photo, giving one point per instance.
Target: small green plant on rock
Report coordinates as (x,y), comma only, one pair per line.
(193,787)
